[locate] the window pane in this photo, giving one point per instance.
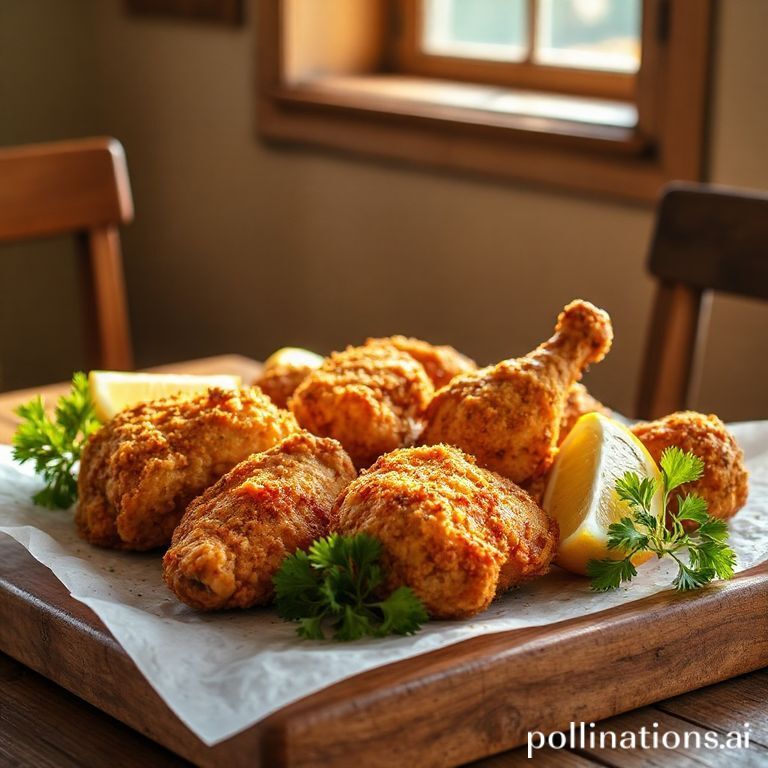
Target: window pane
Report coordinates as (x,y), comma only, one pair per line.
(477,29)
(590,34)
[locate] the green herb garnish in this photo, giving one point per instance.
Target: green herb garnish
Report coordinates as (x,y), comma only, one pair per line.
(333,586)
(54,445)
(709,556)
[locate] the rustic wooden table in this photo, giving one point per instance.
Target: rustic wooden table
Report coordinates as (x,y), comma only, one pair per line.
(42,724)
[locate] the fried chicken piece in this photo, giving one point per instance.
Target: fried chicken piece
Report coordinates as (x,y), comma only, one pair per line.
(280,383)
(508,415)
(724,484)
(371,399)
(232,539)
(441,363)
(458,535)
(141,469)
(284,371)
(578,403)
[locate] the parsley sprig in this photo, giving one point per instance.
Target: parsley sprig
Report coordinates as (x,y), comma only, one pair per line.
(709,556)
(333,587)
(54,445)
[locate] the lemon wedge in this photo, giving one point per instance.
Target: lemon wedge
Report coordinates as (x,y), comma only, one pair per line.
(293,357)
(114,391)
(581,493)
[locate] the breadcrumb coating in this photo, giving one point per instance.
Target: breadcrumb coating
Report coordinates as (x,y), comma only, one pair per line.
(232,539)
(458,535)
(441,363)
(140,470)
(508,415)
(371,399)
(280,382)
(578,403)
(724,483)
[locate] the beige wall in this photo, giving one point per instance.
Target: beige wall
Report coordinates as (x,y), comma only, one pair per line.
(242,247)
(45,61)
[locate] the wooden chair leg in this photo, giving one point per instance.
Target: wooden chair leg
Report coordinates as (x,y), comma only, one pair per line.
(670,356)
(114,345)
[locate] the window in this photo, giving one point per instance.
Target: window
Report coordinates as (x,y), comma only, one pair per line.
(590,47)
(603,95)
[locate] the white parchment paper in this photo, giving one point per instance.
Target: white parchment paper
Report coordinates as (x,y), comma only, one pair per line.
(221,673)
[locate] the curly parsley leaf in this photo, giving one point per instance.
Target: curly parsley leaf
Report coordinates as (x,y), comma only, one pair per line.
(609,574)
(298,591)
(709,555)
(692,507)
(54,444)
(637,492)
(333,587)
(678,468)
(403,613)
(625,535)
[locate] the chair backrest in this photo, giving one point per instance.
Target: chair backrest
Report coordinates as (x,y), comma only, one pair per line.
(707,239)
(76,187)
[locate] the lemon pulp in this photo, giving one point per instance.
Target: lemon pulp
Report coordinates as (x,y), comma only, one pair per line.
(581,493)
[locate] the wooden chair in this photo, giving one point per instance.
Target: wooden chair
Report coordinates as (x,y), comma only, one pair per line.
(76,187)
(707,239)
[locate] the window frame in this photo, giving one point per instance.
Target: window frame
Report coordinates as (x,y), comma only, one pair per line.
(668,142)
(411,58)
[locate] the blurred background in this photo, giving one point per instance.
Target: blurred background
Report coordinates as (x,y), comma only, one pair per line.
(241,246)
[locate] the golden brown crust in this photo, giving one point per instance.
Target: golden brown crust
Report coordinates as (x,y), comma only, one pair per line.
(441,363)
(578,403)
(140,470)
(280,381)
(455,533)
(232,539)
(370,399)
(724,483)
(509,415)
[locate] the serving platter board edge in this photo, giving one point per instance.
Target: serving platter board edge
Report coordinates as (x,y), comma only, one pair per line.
(444,708)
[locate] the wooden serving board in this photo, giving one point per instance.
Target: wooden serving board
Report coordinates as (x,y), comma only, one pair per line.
(444,708)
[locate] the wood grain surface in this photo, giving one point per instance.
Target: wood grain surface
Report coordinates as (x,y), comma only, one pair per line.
(457,704)
(444,708)
(37,717)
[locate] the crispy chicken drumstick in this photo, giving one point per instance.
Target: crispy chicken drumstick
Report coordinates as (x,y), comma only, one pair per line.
(458,535)
(509,415)
(140,470)
(232,539)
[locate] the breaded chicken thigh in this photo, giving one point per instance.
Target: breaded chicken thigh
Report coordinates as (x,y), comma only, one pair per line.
(441,363)
(232,539)
(508,415)
(458,535)
(141,469)
(371,399)
(724,484)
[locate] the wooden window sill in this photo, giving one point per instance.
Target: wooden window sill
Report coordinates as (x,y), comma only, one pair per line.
(466,127)
(611,124)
